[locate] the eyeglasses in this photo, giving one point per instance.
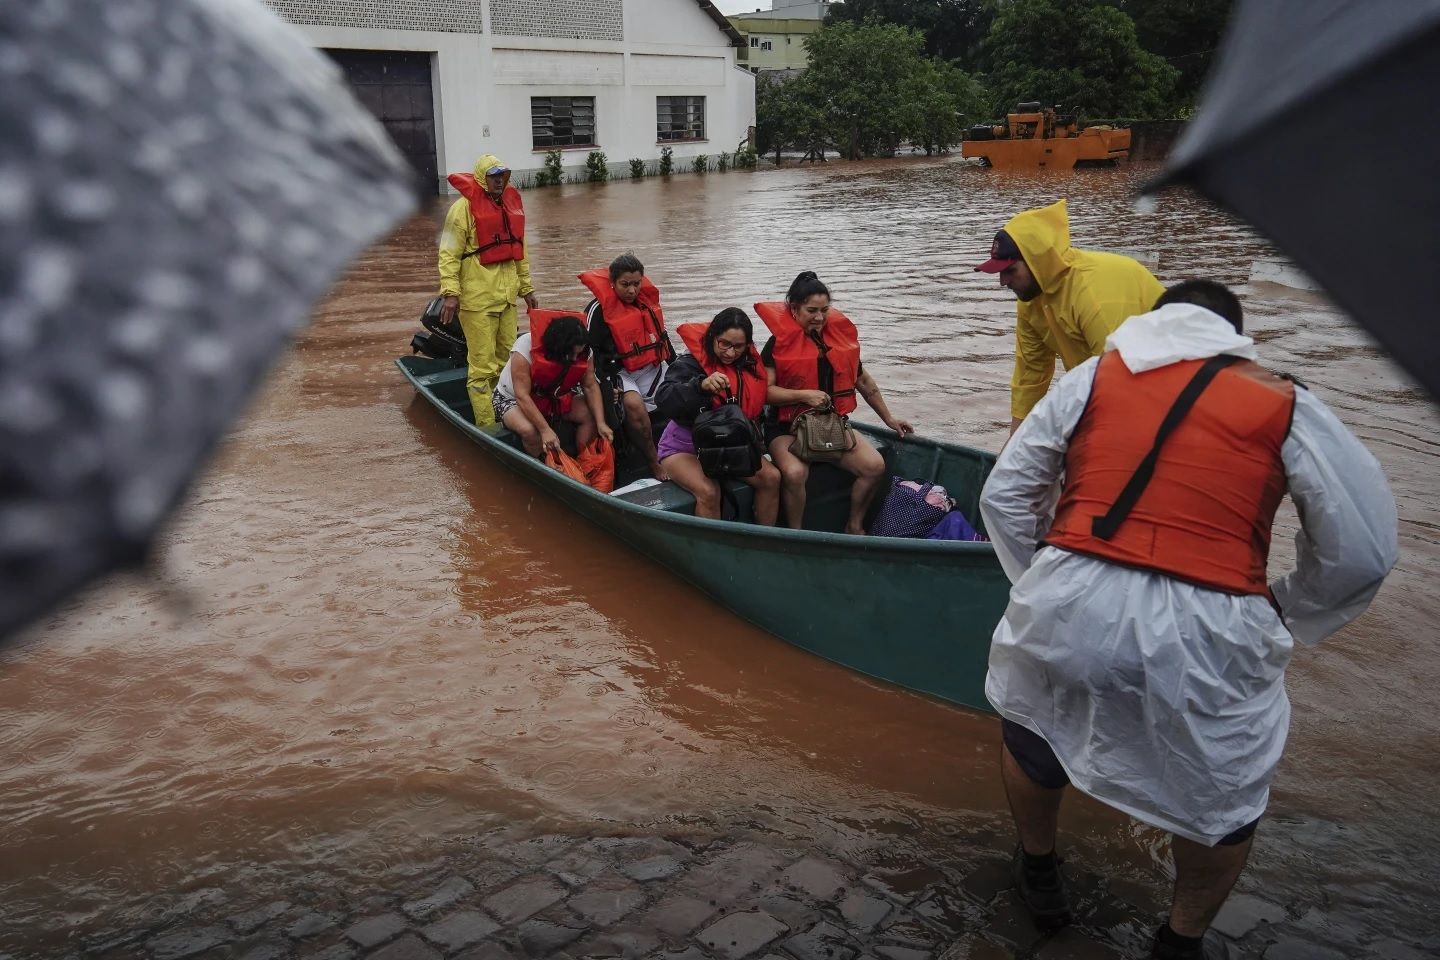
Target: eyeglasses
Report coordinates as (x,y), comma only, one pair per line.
(724,346)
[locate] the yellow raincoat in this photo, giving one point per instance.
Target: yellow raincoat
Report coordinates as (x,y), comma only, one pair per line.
(487,293)
(1084,297)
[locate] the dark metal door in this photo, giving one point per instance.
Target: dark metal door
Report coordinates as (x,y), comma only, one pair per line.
(395,86)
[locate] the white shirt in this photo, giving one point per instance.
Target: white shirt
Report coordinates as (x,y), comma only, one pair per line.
(1161,698)
(506,384)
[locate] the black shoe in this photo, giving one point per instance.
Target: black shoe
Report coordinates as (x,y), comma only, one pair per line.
(1042,892)
(1211,947)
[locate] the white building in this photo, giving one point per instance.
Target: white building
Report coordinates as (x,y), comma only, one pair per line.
(454,79)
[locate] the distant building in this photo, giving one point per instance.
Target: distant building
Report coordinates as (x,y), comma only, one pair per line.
(517,78)
(776,37)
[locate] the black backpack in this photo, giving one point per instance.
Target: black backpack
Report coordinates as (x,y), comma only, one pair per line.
(726,442)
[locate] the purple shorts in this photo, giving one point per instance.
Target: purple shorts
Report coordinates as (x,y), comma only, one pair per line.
(674,439)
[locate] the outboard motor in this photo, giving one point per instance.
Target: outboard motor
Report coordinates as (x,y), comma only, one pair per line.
(441,340)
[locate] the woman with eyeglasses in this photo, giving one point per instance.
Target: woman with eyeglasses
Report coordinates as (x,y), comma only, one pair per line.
(548,371)
(722,365)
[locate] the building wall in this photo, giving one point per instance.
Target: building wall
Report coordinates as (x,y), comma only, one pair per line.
(492,56)
(786,38)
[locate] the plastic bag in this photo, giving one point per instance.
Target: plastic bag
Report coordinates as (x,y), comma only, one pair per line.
(562,461)
(597,462)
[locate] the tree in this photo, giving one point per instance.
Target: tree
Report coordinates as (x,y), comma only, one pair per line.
(872,89)
(1185,32)
(953,29)
(1083,54)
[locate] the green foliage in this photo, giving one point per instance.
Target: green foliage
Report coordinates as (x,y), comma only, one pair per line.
(699,164)
(667,161)
(637,168)
(868,89)
(1081,54)
(1185,32)
(953,29)
(745,157)
(722,162)
(597,170)
(553,173)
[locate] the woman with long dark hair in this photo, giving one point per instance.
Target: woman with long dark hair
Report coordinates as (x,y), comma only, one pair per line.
(723,365)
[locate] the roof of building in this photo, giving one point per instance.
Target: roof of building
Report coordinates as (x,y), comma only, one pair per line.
(728,28)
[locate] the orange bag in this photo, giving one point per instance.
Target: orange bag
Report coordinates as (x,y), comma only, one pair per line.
(597,459)
(562,461)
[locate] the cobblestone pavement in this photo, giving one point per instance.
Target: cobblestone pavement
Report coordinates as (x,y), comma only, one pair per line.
(693,896)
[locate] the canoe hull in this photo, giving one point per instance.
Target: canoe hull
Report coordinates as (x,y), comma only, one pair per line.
(916,613)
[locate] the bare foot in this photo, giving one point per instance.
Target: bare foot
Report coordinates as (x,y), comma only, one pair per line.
(855,529)
(659,472)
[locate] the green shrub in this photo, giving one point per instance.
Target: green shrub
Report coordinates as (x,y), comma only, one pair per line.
(667,161)
(637,169)
(745,157)
(596,168)
(553,173)
(699,164)
(722,162)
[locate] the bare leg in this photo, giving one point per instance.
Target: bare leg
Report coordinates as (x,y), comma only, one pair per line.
(584,423)
(868,467)
(518,424)
(685,470)
(1203,879)
(1036,809)
(766,485)
(637,424)
(794,472)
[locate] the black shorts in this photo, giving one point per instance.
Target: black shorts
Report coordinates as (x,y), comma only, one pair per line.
(1034,756)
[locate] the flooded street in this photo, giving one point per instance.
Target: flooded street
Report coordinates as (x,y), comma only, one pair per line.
(364,643)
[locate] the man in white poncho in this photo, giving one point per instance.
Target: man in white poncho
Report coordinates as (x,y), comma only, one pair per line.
(1142,655)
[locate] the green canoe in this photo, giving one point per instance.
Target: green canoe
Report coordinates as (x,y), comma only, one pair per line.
(918,613)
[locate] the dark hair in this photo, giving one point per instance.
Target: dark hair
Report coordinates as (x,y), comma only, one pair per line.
(806,285)
(627,262)
(731,318)
(562,337)
(1215,297)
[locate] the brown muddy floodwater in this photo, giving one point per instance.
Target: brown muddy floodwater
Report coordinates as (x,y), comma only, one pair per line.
(364,639)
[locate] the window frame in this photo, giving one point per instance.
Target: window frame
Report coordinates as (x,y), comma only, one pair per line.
(570,104)
(687,133)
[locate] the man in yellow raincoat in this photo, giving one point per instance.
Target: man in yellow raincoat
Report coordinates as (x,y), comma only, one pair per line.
(483,269)
(1070,300)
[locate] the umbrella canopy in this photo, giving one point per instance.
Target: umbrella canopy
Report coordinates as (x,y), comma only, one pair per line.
(180,180)
(1315,127)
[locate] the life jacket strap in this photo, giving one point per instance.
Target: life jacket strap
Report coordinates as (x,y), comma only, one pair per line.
(1105,527)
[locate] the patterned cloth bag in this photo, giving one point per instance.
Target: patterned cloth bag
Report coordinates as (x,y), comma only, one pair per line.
(911,509)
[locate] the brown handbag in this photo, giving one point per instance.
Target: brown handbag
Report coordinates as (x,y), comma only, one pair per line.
(821,435)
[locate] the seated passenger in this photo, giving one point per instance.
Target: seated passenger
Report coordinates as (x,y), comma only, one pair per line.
(627,332)
(813,360)
(547,372)
(723,363)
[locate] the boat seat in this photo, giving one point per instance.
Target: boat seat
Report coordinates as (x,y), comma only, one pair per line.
(672,498)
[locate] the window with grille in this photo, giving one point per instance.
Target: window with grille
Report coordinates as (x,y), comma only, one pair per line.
(766,45)
(562,122)
(679,118)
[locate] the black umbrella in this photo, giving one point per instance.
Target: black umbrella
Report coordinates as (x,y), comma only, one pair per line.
(180,180)
(1316,127)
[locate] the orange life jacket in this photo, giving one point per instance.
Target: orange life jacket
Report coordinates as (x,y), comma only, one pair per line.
(1205,515)
(499,227)
(552,382)
(797,356)
(638,328)
(747,384)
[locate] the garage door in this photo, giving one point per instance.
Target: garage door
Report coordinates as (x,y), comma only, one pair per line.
(395,86)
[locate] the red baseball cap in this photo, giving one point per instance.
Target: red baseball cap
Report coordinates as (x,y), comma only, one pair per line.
(1003,254)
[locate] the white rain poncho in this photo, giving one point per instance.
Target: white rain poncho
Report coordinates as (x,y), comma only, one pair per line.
(1160,698)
